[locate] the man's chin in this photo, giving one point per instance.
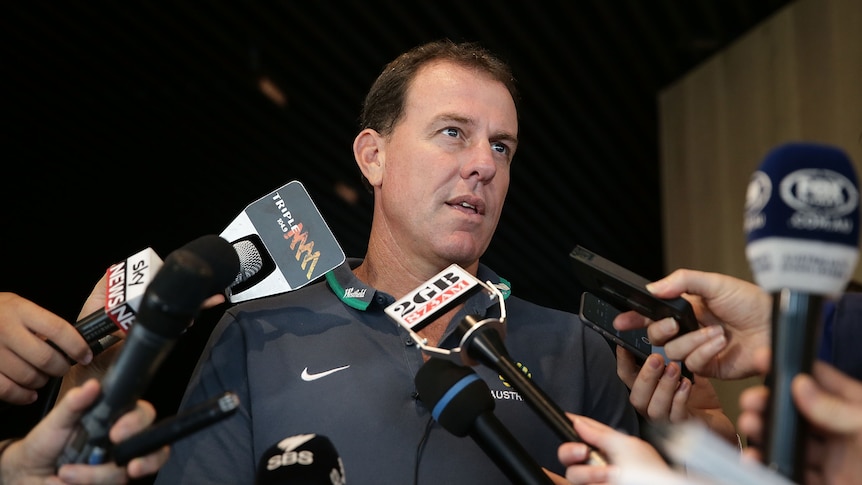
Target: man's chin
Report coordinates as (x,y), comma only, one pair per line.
(462,251)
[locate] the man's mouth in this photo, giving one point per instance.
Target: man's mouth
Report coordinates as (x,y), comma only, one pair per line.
(467,206)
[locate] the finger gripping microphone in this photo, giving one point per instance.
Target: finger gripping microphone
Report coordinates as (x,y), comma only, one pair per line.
(461,402)
(802,230)
(484,344)
(303,459)
(189,275)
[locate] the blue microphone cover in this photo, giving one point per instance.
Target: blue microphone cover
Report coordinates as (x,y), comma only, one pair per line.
(456,395)
(802,219)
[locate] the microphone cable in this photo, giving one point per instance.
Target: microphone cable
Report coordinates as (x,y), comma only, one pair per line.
(421,447)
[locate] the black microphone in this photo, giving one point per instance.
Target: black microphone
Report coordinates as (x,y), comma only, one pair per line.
(189,275)
(303,459)
(176,428)
(483,343)
(126,283)
(461,402)
(285,242)
(802,230)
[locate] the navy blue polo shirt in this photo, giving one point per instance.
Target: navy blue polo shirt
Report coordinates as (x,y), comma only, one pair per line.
(326,359)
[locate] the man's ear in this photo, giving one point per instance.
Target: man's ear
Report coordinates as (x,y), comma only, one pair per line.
(368,150)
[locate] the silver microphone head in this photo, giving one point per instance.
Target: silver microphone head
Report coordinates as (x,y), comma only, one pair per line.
(250,261)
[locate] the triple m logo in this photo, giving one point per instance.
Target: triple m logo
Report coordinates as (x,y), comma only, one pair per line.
(299,239)
(304,249)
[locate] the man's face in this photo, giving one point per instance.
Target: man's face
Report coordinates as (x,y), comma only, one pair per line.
(447,164)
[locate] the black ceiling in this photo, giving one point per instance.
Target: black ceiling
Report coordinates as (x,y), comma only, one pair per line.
(131,124)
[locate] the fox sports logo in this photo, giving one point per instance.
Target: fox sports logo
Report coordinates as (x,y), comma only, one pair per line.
(820,191)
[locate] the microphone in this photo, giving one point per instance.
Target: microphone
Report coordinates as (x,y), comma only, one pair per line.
(461,402)
(283,243)
(303,459)
(802,230)
(483,342)
(175,428)
(126,283)
(189,275)
(480,341)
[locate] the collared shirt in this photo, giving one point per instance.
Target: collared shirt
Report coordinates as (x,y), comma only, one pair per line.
(326,359)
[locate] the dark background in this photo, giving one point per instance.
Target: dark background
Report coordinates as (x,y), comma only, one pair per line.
(130,124)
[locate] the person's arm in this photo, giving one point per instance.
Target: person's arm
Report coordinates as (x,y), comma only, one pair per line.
(27,360)
(734,314)
(662,395)
(831,401)
(34,456)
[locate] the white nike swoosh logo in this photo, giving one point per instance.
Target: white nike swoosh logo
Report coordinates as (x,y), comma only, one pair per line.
(311,377)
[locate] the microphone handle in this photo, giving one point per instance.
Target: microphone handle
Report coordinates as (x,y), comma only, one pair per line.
(484,350)
(796,322)
(94,327)
(97,329)
(498,443)
(175,428)
(124,382)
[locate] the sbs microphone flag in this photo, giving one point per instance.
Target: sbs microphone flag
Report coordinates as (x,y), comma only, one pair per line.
(303,459)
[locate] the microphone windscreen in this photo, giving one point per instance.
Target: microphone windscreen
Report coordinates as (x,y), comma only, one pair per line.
(303,459)
(802,219)
(188,276)
(250,260)
(455,394)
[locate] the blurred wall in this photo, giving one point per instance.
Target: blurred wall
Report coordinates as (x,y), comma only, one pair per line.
(795,77)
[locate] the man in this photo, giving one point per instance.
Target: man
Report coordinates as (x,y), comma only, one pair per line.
(439,129)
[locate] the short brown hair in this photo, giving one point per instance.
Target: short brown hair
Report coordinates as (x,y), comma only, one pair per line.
(384,103)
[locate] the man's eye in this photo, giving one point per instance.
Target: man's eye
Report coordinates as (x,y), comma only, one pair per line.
(500,147)
(453,132)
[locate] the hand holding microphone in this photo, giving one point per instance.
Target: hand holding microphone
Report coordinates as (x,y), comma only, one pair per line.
(189,275)
(802,227)
(832,402)
(32,458)
(26,362)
